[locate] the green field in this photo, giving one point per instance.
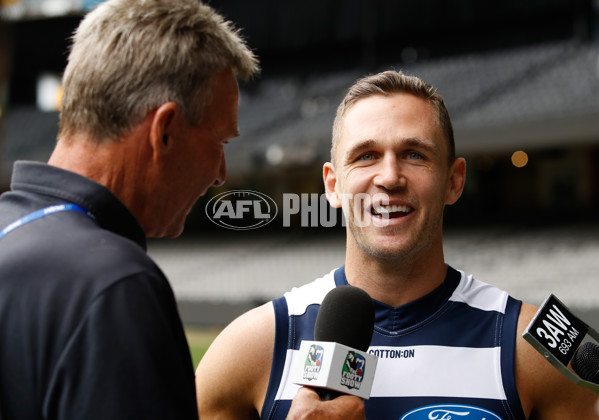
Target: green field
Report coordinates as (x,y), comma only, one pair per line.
(199,340)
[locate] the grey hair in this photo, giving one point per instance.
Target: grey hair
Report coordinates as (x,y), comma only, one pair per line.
(388,83)
(131,56)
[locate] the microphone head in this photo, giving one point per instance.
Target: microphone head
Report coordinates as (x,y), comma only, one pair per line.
(346,316)
(585,362)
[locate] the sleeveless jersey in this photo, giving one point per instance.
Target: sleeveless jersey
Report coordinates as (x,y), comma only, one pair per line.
(447,355)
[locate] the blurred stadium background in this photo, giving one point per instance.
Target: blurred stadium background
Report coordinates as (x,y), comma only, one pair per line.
(521,82)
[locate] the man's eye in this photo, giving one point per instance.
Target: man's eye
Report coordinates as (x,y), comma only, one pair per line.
(414,155)
(367,156)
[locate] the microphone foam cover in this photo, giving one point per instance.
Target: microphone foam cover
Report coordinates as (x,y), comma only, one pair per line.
(346,316)
(585,362)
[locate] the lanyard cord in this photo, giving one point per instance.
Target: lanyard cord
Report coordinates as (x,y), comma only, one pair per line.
(43,213)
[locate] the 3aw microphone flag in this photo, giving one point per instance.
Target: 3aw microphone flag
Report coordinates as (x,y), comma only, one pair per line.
(556,333)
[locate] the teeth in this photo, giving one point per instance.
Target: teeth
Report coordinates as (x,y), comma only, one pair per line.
(391,209)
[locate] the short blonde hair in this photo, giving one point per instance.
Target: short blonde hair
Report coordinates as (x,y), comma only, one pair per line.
(131,56)
(388,83)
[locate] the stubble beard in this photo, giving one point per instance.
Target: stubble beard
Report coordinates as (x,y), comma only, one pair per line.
(406,245)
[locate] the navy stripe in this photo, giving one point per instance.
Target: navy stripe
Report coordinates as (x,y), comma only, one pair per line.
(455,324)
(393,408)
(508,351)
(278,360)
(302,326)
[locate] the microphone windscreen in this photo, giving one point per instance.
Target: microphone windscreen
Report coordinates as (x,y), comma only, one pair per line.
(585,362)
(346,316)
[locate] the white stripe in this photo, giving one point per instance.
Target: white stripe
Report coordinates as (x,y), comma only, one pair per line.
(479,295)
(309,294)
(287,390)
(438,371)
(434,371)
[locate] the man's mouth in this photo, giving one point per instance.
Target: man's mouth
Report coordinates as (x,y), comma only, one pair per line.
(391,211)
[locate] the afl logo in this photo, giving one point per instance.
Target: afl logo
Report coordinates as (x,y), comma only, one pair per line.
(447,411)
(241,209)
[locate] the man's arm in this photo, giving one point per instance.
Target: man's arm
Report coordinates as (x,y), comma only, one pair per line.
(232,378)
(544,392)
(127,359)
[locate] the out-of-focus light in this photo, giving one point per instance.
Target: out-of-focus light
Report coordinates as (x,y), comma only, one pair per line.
(519,159)
(49,92)
(275,154)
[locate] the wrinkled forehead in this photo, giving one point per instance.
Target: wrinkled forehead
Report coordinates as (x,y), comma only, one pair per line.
(402,112)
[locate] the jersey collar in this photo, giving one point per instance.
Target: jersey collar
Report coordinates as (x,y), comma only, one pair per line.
(401,319)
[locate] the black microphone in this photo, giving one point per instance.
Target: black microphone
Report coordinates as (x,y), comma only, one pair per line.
(337,361)
(346,316)
(585,362)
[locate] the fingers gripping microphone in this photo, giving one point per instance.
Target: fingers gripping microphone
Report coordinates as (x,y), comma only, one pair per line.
(338,362)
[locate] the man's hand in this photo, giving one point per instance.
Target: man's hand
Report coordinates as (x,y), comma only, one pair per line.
(307,405)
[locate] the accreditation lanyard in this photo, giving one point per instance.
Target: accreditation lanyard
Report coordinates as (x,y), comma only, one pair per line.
(43,213)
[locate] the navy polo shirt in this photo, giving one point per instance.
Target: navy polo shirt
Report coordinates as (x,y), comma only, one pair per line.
(89,327)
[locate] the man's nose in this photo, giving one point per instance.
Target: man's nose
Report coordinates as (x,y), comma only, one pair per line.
(390,175)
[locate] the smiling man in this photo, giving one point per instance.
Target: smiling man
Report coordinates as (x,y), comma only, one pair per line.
(448,344)
(89,327)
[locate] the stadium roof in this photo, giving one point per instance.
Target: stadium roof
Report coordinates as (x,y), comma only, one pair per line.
(531,97)
(537,96)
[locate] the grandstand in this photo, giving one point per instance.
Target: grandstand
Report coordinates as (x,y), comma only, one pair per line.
(515,77)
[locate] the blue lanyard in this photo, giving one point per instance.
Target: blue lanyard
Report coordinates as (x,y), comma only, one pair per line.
(43,213)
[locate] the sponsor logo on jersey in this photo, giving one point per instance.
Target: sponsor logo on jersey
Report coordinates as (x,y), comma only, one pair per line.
(393,353)
(450,411)
(313,362)
(352,373)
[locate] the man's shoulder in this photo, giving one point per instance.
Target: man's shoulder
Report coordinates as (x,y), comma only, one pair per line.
(299,298)
(120,251)
(480,295)
(82,261)
(92,248)
(112,261)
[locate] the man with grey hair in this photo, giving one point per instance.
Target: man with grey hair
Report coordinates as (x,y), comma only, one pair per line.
(88,323)
(449,345)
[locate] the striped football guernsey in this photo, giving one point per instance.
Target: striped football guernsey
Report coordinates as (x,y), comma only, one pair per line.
(447,355)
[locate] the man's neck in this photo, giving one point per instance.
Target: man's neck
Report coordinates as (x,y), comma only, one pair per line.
(84,158)
(106,165)
(395,283)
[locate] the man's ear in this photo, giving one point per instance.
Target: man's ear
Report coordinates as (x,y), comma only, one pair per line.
(330,185)
(162,129)
(457,179)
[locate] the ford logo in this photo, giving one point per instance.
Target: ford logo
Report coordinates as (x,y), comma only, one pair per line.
(241,209)
(447,412)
